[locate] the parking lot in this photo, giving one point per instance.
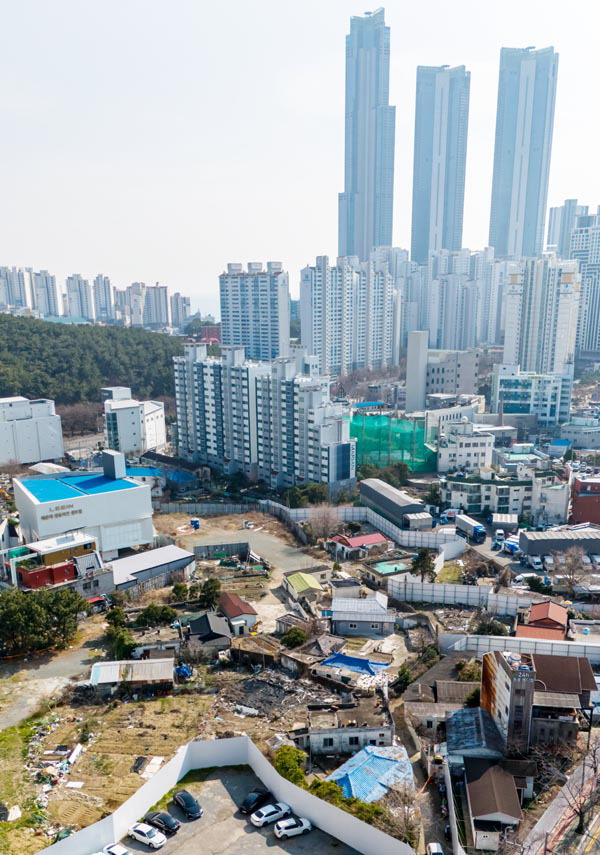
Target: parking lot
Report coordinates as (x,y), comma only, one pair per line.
(223,830)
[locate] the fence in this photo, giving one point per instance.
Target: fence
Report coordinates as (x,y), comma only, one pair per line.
(408,590)
(480,644)
(236,751)
(210,550)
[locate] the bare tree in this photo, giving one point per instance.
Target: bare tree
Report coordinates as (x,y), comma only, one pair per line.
(570,566)
(401,806)
(324,521)
(581,790)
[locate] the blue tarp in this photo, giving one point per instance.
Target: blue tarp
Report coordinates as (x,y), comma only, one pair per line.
(354,663)
(369,774)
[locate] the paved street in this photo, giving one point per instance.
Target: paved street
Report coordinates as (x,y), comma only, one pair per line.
(224,831)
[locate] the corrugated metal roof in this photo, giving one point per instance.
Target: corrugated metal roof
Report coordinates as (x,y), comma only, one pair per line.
(563,700)
(132,671)
(124,569)
(453,690)
(399,497)
(473,729)
(301,582)
(373,771)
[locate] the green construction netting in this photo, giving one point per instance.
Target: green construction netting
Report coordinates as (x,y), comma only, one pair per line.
(383,440)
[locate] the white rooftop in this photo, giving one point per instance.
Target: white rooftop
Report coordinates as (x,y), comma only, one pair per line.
(361,605)
(125,569)
(131,671)
(61,541)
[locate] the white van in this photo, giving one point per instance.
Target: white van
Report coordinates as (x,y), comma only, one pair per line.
(595,560)
(548,562)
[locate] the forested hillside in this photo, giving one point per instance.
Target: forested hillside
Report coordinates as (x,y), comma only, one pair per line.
(70,363)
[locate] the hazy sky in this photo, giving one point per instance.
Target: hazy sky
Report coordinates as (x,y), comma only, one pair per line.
(160,140)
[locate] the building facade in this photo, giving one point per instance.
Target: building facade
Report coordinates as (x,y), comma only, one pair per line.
(80,300)
(255,309)
(585,248)
(524,126)
(180,310)
(132,427)
(366,205)
(104,301)
(547,396)
(440,155)
(30,431)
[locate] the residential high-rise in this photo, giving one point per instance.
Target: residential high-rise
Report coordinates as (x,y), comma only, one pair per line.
(17,286)
(347,313)
(157,307)
(255,309)
(440,156)
(45,294)
(132,427)
(180,310)
(524,125)
(542,308)
(273,421)
(561,222)
(80,302)
(104,301)
(585,249)
(532,393)
(136,303)
(366,205)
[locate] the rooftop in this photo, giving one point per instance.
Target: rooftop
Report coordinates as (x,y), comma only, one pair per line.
(360,540)
(209,626)
(365,712)
(132,671)
(148,471)
(358,605)
(473,728)
(399,497)
(302,582)
(355,663)
(125,569)
(62,541)
(544,633)
(74,486)
(233,606)
(492,792)
(373,771)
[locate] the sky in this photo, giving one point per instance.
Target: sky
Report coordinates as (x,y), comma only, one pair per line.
(158,141)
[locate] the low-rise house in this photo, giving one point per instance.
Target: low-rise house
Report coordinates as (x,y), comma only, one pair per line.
(350,587)
(299,660)
(288,621)
(151,568)
(493,801)
(261,650)
(546,620)
(373,772)
(301,585)
(378,574)
(359,546)
(144,676)
(365,674)
(157,642)
(430,716)
(472,732)
(346,727)
(240,614)
(365,616)
(208,634)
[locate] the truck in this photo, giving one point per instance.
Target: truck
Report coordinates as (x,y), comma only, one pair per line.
(469,528)
(510,546)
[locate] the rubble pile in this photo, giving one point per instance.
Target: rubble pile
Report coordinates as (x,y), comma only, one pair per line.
(269,694)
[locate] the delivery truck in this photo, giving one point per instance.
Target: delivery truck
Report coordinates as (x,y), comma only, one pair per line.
(469,528)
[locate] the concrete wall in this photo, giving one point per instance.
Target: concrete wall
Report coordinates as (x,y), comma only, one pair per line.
(480,644)
(230,752)
(208,550)
(408,589)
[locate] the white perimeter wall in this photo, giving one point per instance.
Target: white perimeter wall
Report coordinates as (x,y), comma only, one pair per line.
(237,751)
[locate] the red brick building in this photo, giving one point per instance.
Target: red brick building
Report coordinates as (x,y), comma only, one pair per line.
(585,500)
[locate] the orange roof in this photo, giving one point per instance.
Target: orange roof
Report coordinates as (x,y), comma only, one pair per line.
(548,611)
(541,632)
(233,606)
(360,540)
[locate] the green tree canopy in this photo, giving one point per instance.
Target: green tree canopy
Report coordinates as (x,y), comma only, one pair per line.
(423,566)
(294,637)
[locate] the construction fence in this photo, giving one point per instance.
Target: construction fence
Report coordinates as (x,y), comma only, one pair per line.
(408,590)
(480,644)
(383,439)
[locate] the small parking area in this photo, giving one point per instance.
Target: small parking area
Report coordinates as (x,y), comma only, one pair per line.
(223,830)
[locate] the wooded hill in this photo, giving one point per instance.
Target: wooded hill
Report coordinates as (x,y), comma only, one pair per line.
(70,363)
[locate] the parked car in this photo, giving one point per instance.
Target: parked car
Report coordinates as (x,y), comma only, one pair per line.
(254,800)
(270,813)
(144,833)
(595,560)
(291,827)
(188,804)
(434,849)
(117,849)
(535,562)
(163,821)
(499,536)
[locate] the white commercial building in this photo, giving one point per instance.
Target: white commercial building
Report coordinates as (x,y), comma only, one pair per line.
(271,420)
(80,301)
(131,426)
(30,431)
(114,509)
(104,301)
(547,396)
(349,314)
(583,432)
(464,445)
(255,309)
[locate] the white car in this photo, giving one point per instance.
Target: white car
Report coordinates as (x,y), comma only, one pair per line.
(270,813)
(291,827)
(117,849)
(144,833)
(434,849)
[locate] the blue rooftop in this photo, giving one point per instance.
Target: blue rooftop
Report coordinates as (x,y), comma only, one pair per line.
(354,663)
(178,476)
(370,773)
(149,471)
(474,732)
(74,486)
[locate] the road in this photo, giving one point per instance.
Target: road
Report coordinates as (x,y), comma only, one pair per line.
(26,682)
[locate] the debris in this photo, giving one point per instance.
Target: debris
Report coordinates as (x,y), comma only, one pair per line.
(75,785)
(152,768)
(14,813)
(243,711)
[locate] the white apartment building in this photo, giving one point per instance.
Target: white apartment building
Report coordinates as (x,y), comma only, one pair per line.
(30,431)
(541,315)
(157,306)
(582,431)
(104,301)
(255,309)
(181,309)
(45,295)
(547,396)
(16,287)
(585,248)
(464,446)
(350,315)
(135,302)
(271,420)
(130,426)
(80,301)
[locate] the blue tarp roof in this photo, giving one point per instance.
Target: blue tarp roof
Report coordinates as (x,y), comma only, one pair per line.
(149,471)
(354,663)
(73,486)
(180,477)
(370,773)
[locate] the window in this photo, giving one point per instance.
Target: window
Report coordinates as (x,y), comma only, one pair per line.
(374,626)
(352,626)
(429,724)
(86,586)
(328,742)
(353,740)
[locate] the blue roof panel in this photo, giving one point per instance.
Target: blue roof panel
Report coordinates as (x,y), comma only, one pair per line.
(74,486)
(369,774)
(354,663)
(49,490)
(91,484)
(149,471)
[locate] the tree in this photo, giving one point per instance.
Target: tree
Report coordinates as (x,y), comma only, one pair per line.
(403,679)
(400,801)
(121,642)
(39,619)
(354,527)
(469,671)
(423,566)
(155,615)
(487,625)
(289,762)
(473,699)
(116,617)
(294,637)
(179,592)
(209,594)
(537,585)
(324,521)
(577,793)
(570,566)
(433,495)
(329,791)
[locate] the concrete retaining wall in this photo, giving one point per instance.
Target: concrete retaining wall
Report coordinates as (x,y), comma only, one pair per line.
(236,751)
(480,644)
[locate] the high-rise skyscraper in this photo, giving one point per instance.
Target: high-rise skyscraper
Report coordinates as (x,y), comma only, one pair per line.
(561,222)
(524,124)
(255,309)
(366,205)
(585,248)
(45,293)
(180,310)
(440,156)
(80,302)
(157,308)
(104,302)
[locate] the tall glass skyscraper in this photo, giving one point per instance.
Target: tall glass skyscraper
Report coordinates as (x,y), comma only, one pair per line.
(524,125)
(440,156)
(366,205)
